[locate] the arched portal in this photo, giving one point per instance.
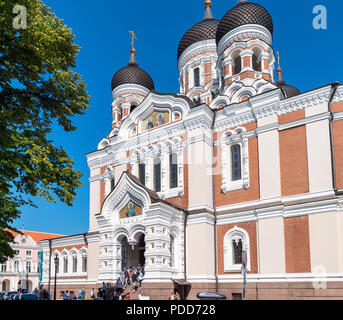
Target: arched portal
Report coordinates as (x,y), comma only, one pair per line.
(5,286)
(132,255)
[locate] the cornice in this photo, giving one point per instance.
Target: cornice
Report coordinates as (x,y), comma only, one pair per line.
(242,32)
(196,49)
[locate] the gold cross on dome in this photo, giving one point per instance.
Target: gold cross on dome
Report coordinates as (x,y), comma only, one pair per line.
(133,39)
(278,55)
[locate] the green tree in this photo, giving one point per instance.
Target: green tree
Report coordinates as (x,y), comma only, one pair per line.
(37,87)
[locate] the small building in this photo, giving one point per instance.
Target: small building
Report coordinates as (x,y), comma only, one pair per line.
(22,271)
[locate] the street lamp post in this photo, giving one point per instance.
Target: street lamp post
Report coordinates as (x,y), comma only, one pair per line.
(56,265)
(244,266)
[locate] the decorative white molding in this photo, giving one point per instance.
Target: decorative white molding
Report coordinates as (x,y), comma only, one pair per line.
(235,234)
(229,139)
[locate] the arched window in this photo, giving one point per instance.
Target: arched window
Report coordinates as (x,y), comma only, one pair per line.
(84,262)
(237,251)
(213,95)
(3,267)
(236,241)
(141,172)
(196,77)
(236,167)
(16,266)
(133,107)
(112,184)
(254,62)
(65,264)
(197,100)
(28,266)
(74,259)
(157,174)
(57,265)
(237,61)
(173,170)
(256,59)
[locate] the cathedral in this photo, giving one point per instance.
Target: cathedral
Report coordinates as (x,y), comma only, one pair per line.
(237,171)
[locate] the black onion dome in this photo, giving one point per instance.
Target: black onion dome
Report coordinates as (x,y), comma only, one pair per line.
(132,74)
(204,30)
(289,91)
(244,13)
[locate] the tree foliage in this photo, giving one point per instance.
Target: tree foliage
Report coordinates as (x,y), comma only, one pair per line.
(37,86)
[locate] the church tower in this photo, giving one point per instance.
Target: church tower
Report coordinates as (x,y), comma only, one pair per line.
(130,86)
(245,53)
(197,59)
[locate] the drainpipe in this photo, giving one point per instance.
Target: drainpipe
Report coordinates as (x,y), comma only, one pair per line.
(185,245)
(49,264)
(215,215)
(332,146)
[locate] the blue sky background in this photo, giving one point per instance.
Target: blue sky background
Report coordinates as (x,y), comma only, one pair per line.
(310,58)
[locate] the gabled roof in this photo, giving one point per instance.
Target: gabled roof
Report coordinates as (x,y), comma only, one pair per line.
(154,197)
(37,236)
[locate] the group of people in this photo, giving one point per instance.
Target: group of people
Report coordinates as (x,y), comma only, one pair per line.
(72,296)
(131,276)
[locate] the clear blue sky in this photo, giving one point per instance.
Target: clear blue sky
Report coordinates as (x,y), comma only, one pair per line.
(309,58)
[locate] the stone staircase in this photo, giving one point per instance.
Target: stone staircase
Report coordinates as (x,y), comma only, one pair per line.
(133,295)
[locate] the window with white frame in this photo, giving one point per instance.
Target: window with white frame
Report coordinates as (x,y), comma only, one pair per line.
(236,241)
(28,266)
(56,265)
(3,267)
(84,262)
(160,167)
(235,160)
(74,260)
(157,174)
(16,266)
(65,264)
(196,77)
(173,174)
(29,253)
(141,172)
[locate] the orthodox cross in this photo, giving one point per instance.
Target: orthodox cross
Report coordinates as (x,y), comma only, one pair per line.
(278,55)
(133,39)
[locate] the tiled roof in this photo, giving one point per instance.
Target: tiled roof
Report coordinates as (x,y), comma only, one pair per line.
(37,236)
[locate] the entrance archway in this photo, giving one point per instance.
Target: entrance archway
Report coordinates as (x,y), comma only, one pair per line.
(131,256)
(5,285)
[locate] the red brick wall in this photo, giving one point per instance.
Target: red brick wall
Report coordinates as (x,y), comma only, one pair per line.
(293,161)
(338,144)
(297,245)
(208,73)
(250,228)
(337,107)
(292,116)
(242,195)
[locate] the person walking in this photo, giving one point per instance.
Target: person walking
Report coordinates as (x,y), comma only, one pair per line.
(119,287)
(92,294)
(122,277)
(65,295)
(134,281)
